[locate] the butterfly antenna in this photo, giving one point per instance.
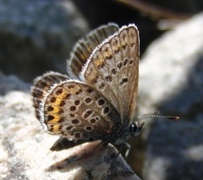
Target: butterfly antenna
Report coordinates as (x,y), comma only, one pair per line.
(151,116)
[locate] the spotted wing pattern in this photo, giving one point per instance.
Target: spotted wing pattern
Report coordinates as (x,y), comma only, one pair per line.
(84,47)
(112,69)
(41,86)
(77,111)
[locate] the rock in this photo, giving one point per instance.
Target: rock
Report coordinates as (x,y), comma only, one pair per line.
(24,146)
(171,80)
(10,83)
(37,36)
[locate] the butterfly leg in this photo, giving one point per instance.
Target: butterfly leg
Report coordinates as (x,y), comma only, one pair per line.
(124,148)
(127,146)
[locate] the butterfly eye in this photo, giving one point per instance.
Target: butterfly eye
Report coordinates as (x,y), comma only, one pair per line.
(135,128)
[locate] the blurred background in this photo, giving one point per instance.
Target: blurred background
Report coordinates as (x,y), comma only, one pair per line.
(38,36)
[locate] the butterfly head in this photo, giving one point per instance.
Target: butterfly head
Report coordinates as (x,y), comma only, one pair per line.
(136,127)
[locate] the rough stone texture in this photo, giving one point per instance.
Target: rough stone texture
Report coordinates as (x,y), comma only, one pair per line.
(24,146)
(10,83)
(171,81)
(36,36)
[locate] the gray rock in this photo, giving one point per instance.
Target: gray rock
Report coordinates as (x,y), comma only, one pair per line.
(11,83)
(24,146)
(37,36)
(171,81)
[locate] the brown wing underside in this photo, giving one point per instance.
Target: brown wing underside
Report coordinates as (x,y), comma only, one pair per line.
(77,111)
(112,69)
(41,86)
(85,46)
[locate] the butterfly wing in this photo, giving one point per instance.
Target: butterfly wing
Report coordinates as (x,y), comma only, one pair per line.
(112,69)
(41,86)
(85,46)
(78,112)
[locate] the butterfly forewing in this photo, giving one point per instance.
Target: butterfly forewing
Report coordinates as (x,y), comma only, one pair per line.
(85,46)
(112,69)
(128,71)
(133,70)
(77,111)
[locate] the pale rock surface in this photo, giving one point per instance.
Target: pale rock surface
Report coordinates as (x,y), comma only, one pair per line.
(24,146)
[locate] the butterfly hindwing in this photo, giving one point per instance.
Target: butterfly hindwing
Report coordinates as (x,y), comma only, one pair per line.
(77,111)
(42,85)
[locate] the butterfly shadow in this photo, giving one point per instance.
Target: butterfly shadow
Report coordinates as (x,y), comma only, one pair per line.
(93,160)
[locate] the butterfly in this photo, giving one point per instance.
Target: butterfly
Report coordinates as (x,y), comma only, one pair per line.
(97,100)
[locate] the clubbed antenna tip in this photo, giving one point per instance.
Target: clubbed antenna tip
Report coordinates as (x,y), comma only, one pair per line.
(173,117)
